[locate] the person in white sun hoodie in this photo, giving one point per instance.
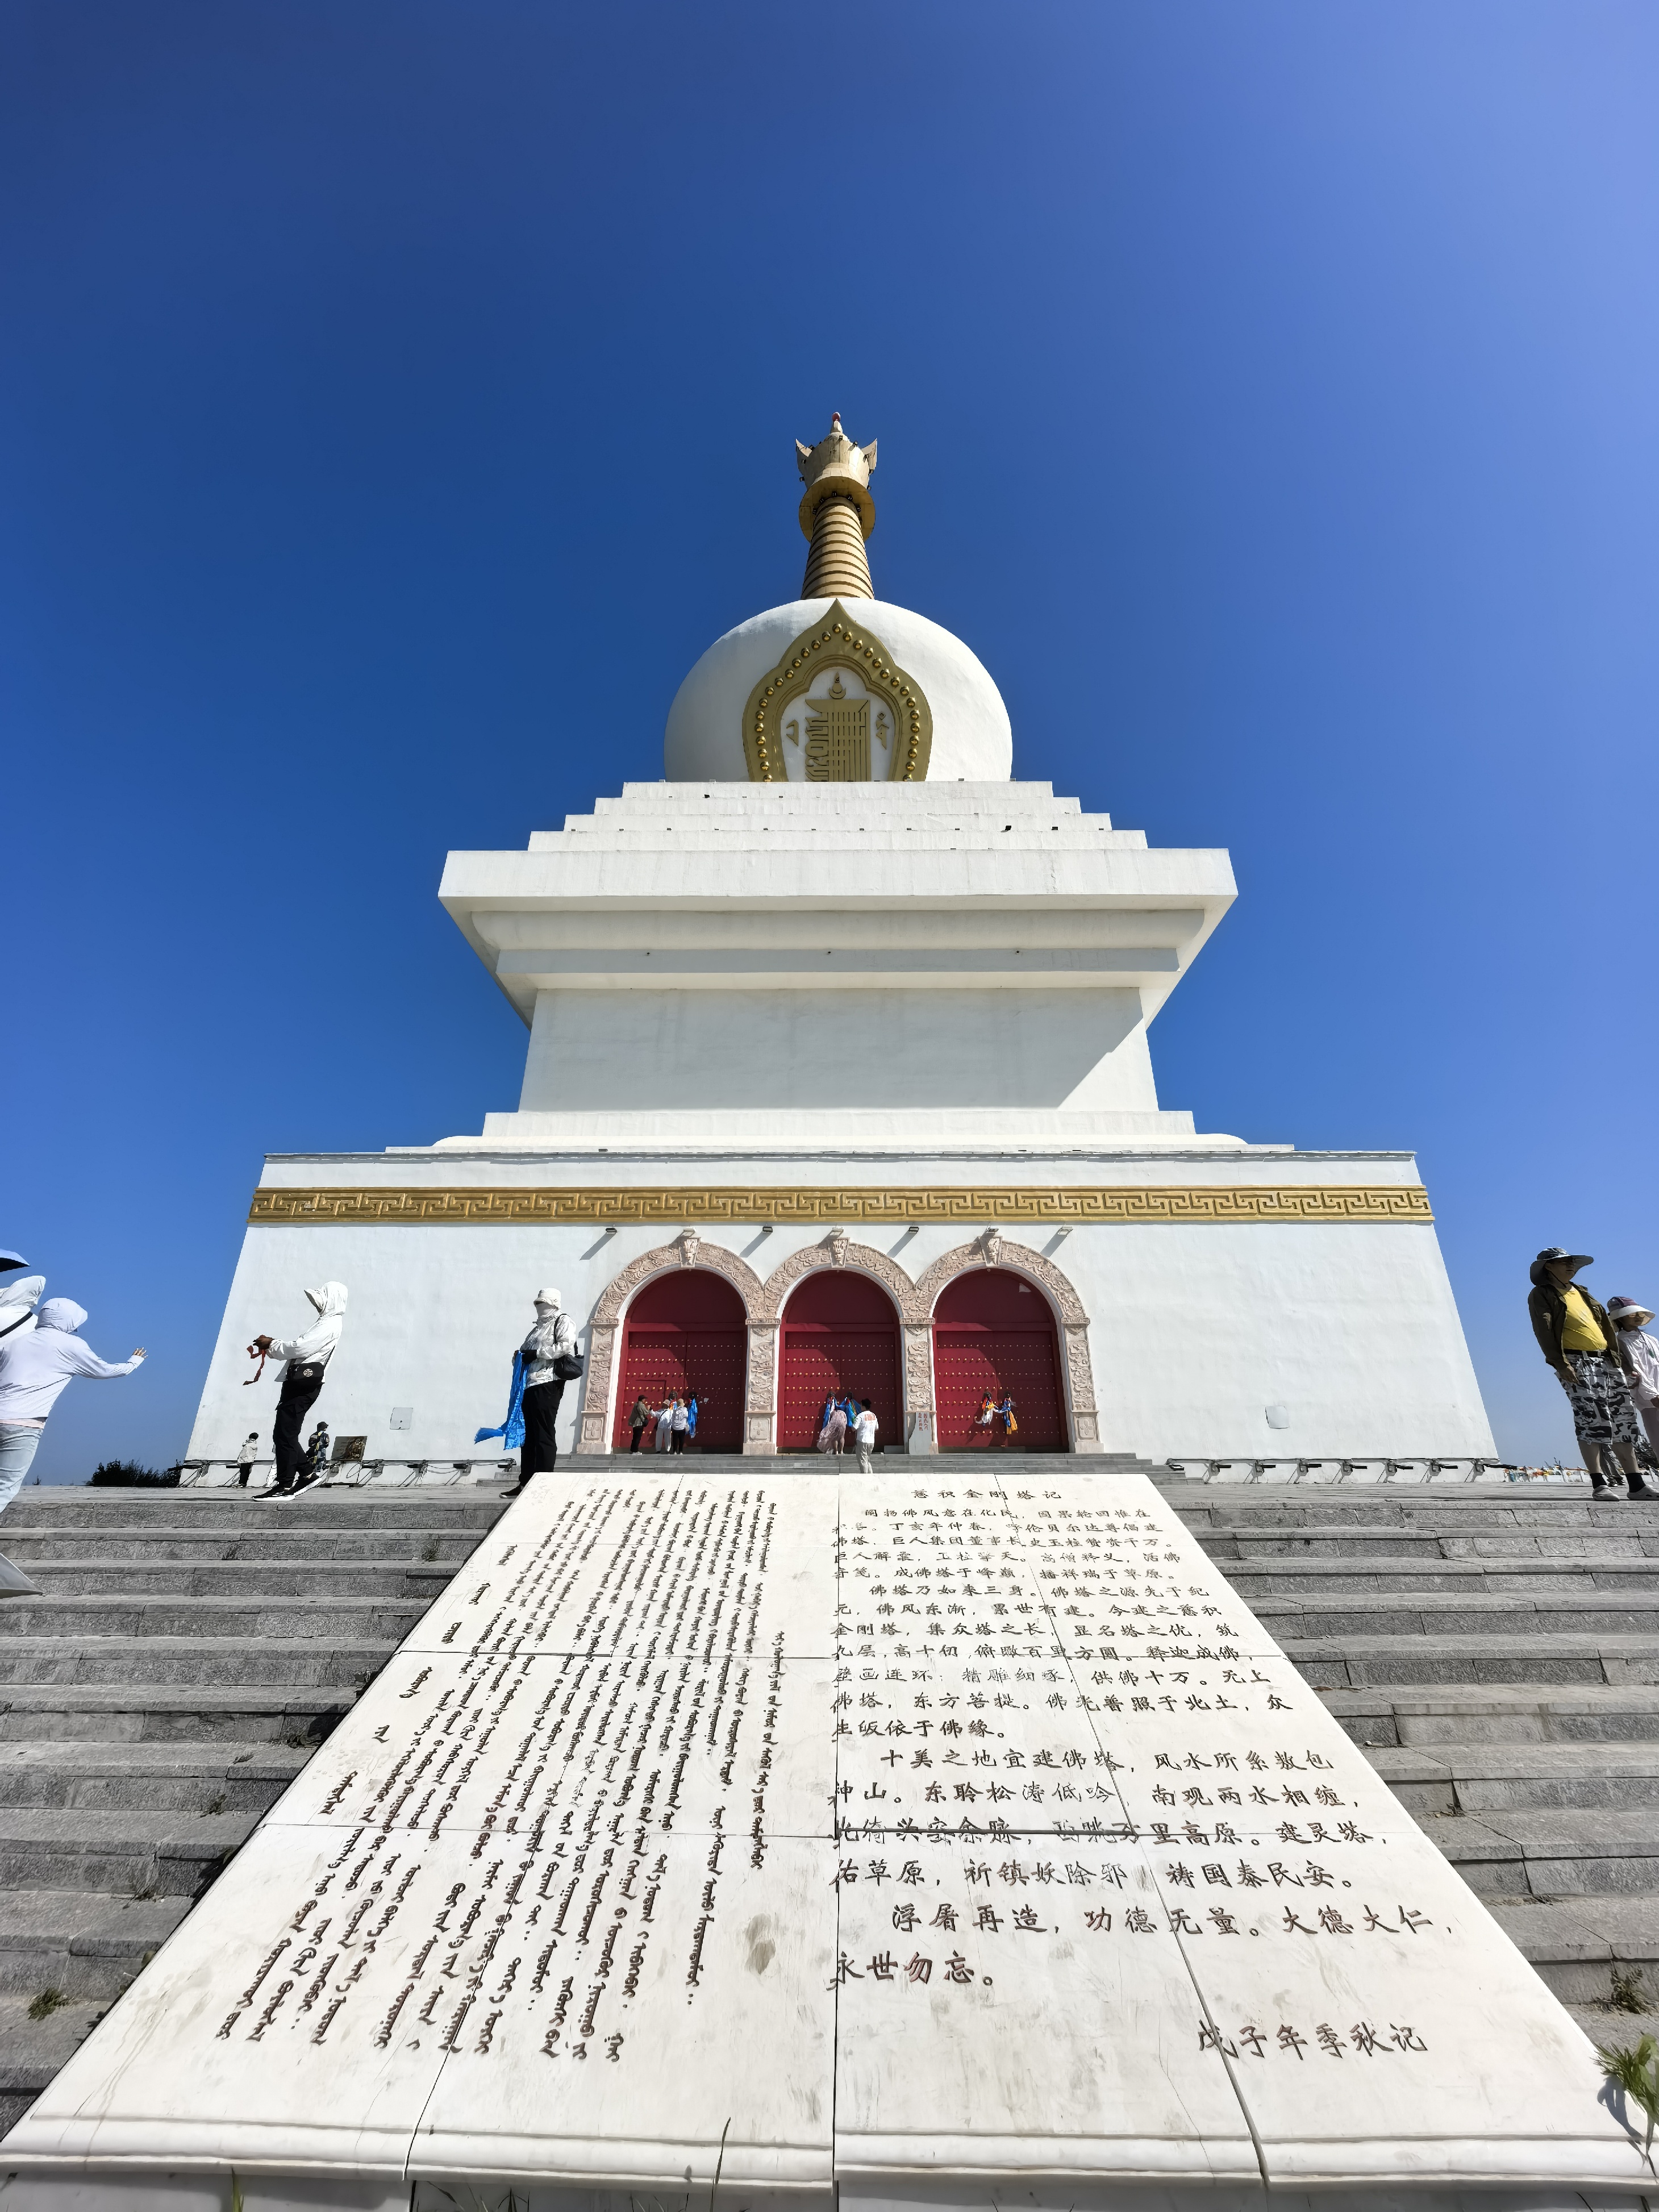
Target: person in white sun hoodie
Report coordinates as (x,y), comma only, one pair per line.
(306,1356)
(36,1365)
(19,1296)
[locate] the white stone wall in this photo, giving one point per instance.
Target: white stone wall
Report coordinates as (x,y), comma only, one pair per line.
(752,1051)
(1194,1332)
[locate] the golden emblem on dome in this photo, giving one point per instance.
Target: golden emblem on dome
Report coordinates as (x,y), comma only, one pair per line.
(838,736)
(837,710)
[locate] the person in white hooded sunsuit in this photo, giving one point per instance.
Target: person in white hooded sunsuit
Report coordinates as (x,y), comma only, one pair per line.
(307,1357)
(35,1367)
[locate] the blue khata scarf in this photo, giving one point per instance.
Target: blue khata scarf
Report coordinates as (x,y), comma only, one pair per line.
(511,1432)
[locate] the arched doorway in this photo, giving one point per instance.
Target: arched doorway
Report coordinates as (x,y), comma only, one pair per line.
(993,1331)
(840,1334)
(687,1332)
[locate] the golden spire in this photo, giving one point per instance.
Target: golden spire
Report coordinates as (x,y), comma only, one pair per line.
(837,514)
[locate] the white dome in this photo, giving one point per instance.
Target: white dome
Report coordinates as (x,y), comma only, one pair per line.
(972,740)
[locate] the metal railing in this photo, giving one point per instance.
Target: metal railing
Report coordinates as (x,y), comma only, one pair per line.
(1425,1468)
(353,1473)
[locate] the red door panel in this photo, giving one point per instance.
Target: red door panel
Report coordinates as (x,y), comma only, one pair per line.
(686,1333)
(993,1332)
(839,1334)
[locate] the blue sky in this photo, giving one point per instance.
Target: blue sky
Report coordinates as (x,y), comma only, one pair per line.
(395,398)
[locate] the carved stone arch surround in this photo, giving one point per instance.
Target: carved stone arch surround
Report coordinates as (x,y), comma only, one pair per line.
(993,1250)
(838,1250)
(686,1250)
(764,1303)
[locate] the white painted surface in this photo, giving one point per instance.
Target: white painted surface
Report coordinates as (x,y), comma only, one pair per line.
(979,952)
(1195,1330)
(992,1897)
(739,1053)
(972,738)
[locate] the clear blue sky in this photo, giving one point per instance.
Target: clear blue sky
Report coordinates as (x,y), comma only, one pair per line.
(395,398)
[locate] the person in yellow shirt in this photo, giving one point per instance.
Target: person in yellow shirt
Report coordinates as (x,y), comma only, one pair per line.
(1590,1362)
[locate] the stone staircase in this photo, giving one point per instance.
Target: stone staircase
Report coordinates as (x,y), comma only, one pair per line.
(188,1653)
(1496,1652)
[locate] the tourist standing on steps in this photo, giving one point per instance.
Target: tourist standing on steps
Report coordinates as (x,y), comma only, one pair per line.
(35,1365)
(550,1361)
(1628,1316)
(638,1422)
(305,1359)
(662,1437)
(865,1429)
(1587,1357)
(832,1437)
(316,1456)
(682,1425)
(246,1457)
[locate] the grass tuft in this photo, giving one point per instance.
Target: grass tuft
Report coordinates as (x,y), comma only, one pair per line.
(1635,2068)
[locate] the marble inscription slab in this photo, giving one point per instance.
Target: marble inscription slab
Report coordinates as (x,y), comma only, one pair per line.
(932,1839)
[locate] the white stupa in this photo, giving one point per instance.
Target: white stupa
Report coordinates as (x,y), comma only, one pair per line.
(838,999)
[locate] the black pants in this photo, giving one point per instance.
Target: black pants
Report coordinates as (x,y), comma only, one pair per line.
(541,1410)
(301,1388)
(635,1434)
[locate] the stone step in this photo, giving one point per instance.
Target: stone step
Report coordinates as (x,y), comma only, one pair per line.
(133,1853)
(1591,1612)
(1500,1712)
(1389,1544)
(202,1779)
(930,1467)
(290,1618)
(1575,1942)
(1491,1511)
(150,1712)
(1545,1852)
(78,1507)
(319,1580)
(1529,1582)
(79,1943)
(313,1662)
(1355,1662)
(36,1547)
(33,2051)
(1482,1778)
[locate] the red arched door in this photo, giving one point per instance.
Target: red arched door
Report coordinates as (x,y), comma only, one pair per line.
(686,1334)
(995,1333)
(841,1335)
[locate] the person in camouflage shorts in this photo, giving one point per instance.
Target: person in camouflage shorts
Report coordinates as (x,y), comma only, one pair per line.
(1591,1364)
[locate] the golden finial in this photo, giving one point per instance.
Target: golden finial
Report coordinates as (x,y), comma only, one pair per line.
(836,514)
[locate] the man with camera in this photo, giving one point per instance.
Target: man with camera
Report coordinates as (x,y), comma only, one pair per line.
(550,1360)
(305,1357)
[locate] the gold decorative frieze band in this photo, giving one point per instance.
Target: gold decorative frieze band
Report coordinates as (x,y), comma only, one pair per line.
(644,1204)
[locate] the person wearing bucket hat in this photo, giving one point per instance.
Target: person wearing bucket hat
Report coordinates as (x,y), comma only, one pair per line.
(1590,1361)
(1627,1317)
(549,1360)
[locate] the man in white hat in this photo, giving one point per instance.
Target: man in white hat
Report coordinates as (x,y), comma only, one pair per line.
(550,1361)
(1627,1317)
(305,1357)
(1591,1362)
